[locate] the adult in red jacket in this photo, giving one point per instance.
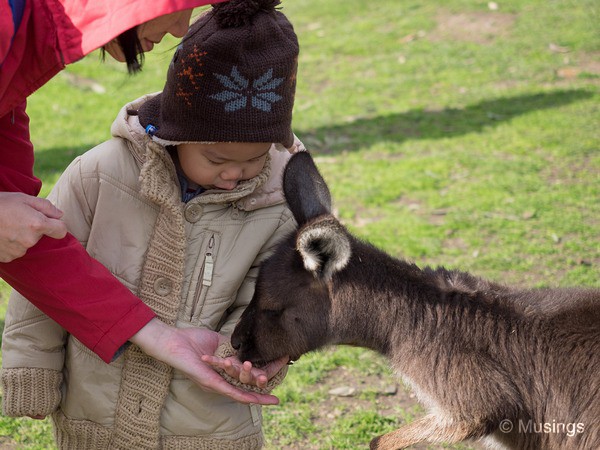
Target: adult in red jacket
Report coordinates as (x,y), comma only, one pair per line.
(37,39)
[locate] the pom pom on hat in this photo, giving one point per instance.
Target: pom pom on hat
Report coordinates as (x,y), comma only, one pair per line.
(237,13)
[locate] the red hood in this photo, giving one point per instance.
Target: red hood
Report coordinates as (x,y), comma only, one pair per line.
(85,25)
(54,33)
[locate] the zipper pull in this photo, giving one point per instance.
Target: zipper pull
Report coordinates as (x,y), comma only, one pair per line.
(208,263)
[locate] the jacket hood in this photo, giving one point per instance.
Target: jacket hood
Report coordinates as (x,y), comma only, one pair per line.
(84,26)
(263,190)
(54,33)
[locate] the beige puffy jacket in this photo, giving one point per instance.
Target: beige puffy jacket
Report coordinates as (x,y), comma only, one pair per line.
(195,264)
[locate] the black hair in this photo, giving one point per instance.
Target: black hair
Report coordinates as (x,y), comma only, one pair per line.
(132,50)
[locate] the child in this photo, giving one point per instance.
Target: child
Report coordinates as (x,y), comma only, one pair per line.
(181,205)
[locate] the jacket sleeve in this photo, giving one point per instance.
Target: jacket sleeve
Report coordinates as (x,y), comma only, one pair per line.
(57,275)
(32,360)
(246,291)
(16,154)
(7,29)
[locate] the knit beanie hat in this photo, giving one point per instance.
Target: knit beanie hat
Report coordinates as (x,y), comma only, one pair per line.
(232,79)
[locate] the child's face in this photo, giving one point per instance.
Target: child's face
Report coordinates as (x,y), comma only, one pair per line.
(224,164)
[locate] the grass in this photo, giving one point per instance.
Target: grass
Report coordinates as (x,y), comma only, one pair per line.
(455,135)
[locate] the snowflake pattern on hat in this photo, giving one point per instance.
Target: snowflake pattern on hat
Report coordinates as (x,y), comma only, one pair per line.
(189,74)
(237,91)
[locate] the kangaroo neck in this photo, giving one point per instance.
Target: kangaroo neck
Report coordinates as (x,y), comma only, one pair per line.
(383,303)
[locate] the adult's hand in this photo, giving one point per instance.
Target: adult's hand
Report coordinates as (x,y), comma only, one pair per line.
(23,221)
(183,348)
(244,371)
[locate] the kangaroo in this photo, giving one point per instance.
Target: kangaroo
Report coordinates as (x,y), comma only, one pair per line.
(516,368)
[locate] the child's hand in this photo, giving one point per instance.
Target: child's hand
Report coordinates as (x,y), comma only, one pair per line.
(252,379)
(245,372)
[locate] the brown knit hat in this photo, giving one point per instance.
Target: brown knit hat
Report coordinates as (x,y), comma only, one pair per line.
(232,79)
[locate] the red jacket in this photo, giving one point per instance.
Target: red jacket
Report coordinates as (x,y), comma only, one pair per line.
(58,276)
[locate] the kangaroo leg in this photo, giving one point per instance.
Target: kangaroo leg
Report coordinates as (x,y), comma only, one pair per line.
(429,428)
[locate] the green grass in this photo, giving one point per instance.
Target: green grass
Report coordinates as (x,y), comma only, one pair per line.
(449,134)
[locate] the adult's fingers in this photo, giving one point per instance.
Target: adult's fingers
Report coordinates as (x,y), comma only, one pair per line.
(216,383)
(45,207)
(49,224)
(54,228)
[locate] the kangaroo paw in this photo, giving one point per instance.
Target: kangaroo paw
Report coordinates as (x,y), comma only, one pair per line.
(429,428)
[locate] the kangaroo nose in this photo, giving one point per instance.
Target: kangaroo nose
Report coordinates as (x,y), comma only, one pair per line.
(235,341)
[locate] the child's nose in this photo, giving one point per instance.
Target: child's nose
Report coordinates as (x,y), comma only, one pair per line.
(232,174)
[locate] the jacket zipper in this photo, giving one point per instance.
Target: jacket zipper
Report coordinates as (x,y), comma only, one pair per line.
(208,263)
(207,274)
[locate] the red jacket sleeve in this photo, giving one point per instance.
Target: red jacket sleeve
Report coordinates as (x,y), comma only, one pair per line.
(6,28)
(58,276)
(16,154)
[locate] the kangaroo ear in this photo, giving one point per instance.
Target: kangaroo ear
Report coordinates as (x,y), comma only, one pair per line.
(305,190)
(324,246)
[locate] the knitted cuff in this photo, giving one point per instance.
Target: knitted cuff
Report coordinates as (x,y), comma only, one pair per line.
(224,350)
(30,391)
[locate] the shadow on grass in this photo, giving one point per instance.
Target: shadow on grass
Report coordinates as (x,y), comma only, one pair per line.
(53,161)
(433,124)
(364,132)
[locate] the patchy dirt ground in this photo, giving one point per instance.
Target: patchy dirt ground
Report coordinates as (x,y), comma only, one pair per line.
(7,443)
(479,27)
(485,27)
(351,390)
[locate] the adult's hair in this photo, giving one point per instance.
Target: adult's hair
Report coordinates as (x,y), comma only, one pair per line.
(132,50)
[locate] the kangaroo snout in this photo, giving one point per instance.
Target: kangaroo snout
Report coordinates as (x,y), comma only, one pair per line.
(235,342)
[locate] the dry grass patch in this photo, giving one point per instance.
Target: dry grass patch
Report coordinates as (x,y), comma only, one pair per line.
(478,27)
